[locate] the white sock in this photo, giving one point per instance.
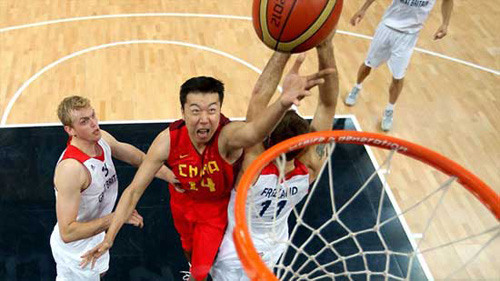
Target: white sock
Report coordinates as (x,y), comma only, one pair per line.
(359,86)
(390,106)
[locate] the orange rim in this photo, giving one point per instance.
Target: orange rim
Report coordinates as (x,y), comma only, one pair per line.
(253,264)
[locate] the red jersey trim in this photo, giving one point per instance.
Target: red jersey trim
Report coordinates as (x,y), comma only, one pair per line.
(74,153)
(272,169)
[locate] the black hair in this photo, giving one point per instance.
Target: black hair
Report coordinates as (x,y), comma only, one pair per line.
(201,84)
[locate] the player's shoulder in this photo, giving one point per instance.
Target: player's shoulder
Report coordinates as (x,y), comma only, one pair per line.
(163,136)
(165,132)
(227,131)
(231,126)
(70,165)
(70,171)
(176,125)
(162,145)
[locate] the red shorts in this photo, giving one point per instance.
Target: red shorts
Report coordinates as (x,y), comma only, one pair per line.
(201,226)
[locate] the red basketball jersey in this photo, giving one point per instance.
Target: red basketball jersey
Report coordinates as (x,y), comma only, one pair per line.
(205,176)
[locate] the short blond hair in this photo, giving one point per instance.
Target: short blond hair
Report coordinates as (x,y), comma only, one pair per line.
(69,104)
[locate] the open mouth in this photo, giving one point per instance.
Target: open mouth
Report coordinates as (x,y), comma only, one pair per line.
(202,133)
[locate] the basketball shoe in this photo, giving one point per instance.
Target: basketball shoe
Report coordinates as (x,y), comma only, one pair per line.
(352,96)
(387,120)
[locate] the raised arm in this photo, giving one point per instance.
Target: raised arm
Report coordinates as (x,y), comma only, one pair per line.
(360,14)
(295,88)
(266,84)
(261,95)
(446,9)
(329,90)
(157,154)
(134,156)
(70,179)
(315,156)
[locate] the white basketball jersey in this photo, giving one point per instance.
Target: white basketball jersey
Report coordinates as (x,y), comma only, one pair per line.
(97,200)
(271,201)
(407,16)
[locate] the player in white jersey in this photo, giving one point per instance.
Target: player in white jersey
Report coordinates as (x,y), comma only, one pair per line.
(86,187)
(273,200)
(393,42)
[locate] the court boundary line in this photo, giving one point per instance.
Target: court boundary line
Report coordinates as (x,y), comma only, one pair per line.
(133,122)
(12,101)
(397,209)
(98,17)
(145,121)
(46,68)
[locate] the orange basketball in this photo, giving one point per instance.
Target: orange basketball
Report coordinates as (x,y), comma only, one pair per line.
(295,25)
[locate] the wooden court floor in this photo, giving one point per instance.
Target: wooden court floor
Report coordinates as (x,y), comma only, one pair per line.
(129,57)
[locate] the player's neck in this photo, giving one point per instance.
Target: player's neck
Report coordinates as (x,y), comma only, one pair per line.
(200,147)
(289,166)
(91,148)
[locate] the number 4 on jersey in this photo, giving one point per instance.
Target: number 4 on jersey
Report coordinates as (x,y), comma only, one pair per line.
(205,182)
(208,182)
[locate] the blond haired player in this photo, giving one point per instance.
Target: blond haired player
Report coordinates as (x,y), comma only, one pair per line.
(86,187)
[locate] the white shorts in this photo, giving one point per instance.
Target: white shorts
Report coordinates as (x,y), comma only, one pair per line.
(392,46)
(68,260)
(68,270)
(227,265)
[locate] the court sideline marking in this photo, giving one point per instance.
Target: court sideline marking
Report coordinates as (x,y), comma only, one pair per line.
(94,48)
(29,81)
(17,27)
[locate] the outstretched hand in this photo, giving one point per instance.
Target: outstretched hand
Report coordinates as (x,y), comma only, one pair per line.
(135,219)
(95,253)
(172,179)
(177,186)
(296,87)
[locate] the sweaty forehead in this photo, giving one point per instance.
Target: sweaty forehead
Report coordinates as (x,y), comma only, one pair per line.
(202,99)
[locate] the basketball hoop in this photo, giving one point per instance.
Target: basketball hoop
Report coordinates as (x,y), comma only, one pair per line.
(257,270)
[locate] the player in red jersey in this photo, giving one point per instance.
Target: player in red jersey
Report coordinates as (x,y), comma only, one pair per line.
(203,149)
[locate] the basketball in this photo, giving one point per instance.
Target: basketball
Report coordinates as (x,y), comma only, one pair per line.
(294,26)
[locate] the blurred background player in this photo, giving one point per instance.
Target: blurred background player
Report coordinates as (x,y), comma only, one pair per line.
(301,167)
(86,187)
(203,150)
(393,42)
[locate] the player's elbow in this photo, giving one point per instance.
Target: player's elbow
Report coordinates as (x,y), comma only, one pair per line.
(66,239)
(66,235)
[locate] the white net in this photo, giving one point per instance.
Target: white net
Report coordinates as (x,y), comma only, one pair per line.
(350,227)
